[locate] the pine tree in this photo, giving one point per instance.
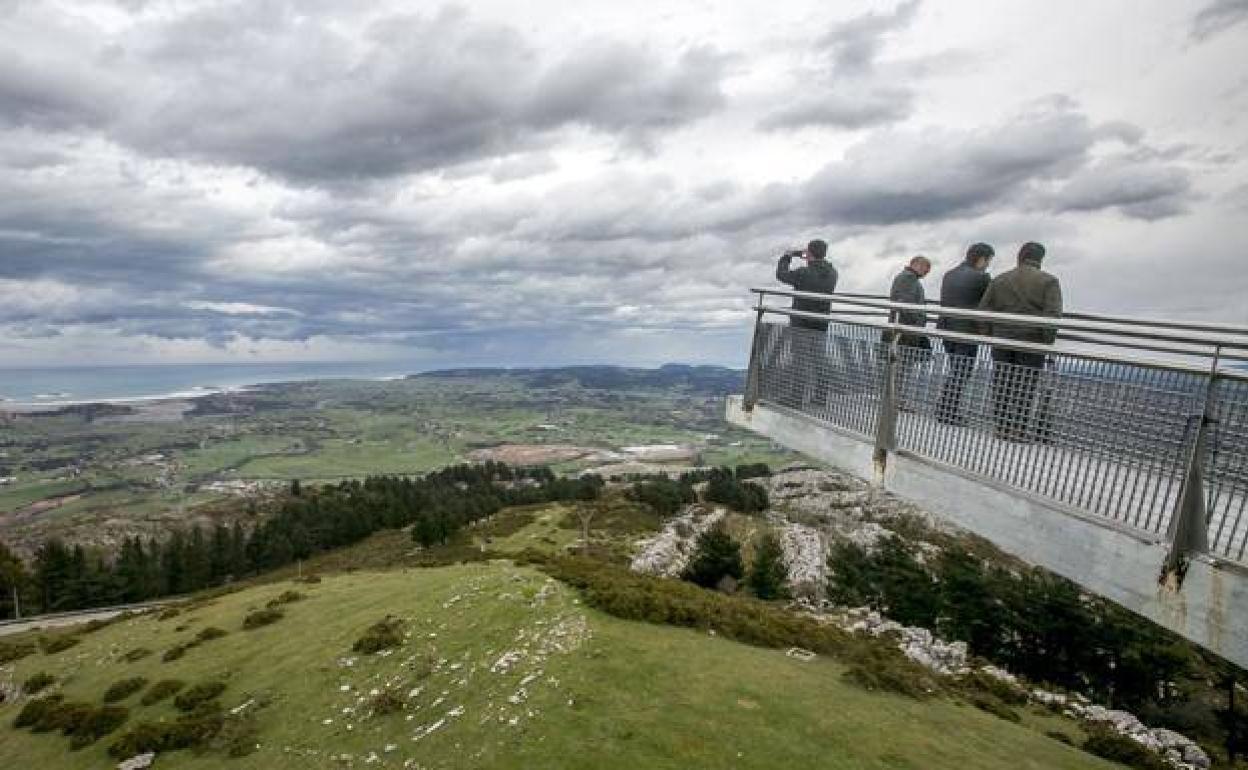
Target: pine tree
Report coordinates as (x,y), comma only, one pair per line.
(769,573)
(716,556)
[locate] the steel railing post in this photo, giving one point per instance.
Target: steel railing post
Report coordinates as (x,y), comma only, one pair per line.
(754,372)
(886,416)
(1188,532)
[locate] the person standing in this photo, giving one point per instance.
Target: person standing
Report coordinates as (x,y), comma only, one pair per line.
(908,288)
(802,344)
(962,287)
(1025,290)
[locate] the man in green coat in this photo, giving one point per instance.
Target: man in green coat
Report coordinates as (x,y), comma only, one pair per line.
(1025,290)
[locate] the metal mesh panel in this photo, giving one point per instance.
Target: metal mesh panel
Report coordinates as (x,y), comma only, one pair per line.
(1226,470)
(832,376)
(1107,439)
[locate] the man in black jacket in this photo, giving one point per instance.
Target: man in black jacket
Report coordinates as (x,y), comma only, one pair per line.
(962,287)
(802,347)
(817,276)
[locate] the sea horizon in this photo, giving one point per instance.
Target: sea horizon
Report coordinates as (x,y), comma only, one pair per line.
(57,386)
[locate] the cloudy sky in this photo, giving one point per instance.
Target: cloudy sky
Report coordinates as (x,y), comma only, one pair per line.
(555,182)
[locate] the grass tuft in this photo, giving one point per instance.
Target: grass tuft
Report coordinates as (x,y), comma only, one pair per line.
(11,651)
(163,689)
(138,653)
(54,644)
(35,683)
(198,695)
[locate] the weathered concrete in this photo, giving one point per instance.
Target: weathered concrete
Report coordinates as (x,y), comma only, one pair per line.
(1123,565)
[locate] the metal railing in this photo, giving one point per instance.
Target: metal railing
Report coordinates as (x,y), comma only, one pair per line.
(1143,423)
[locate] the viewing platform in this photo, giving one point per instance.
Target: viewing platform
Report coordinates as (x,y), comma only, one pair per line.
(1121,464)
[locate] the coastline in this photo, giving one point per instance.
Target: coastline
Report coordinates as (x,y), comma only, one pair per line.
(28,406)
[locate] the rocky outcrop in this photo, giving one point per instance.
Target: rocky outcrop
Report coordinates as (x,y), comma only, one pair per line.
(667,553)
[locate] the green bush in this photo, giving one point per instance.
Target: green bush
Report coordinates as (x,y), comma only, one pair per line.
(716,556)
(169,613)
(54,644)
(995,707)
(37,711)
(1110,745)
(161,690)
(286,597)
(189,730)
(138,653)
(385,634)
(386,702)
(260,618)
(82,722)
(209,633)
(768,574)
(175,652)
(200,694)
(36,682)
(11,651)
(123,689)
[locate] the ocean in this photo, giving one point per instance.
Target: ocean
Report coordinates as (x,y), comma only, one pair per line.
(55,386)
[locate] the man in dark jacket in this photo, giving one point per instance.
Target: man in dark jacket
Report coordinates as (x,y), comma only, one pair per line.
(1025,290)
(801,350)
(962,287)
(908,287)
(817,276)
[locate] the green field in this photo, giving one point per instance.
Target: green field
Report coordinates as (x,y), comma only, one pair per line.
(503,668)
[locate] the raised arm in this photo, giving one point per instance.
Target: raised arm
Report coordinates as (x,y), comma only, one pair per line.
(784,274)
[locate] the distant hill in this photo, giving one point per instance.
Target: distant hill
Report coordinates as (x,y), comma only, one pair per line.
(709,380)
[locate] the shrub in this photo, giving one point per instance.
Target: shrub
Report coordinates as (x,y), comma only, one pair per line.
(188,731)
(198,695)
(385,634)
(138,653)
(37,710)
(83,722)
(175,652)
(386,702)
(715,556)
(768,573)
(161,690)
(123,689)
(11,651)
(752,471)
(310,579)
(874,666)
(1058,735)
(995,707)
(36,682)
(977,683)
(1110,745)
(260,618)
(95,724)
(169,613)
(286,598)
(54,644)
(209,633)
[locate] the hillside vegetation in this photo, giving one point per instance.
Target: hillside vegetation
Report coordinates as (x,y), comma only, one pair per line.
(496,666)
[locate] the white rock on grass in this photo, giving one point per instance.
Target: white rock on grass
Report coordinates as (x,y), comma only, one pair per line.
(139,762)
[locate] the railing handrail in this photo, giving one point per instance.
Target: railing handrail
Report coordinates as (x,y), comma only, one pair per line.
(1013,344)
(1125,320)
(1212,340)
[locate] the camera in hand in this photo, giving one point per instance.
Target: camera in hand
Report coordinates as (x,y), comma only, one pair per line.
(795,253)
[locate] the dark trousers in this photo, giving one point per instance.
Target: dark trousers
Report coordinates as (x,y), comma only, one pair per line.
(1014,377)
(961,366)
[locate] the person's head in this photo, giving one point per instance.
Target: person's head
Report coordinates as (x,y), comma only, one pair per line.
(817,249)
(921,265)
(979,255)
(1031,253)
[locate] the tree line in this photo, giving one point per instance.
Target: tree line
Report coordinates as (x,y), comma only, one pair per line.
(309,521)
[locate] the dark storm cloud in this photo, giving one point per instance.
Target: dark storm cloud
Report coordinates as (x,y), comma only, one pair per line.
(260,85)
(1217,17)
(849,88)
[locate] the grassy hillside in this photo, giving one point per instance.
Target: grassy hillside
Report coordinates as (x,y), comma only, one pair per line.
(501,667)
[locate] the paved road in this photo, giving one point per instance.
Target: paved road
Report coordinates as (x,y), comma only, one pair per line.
(61,619)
